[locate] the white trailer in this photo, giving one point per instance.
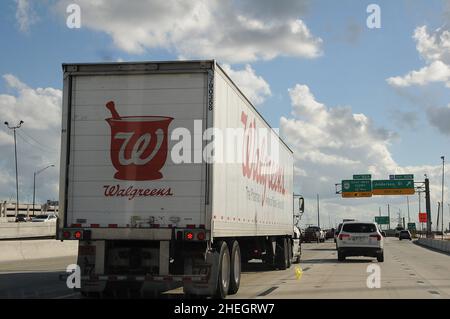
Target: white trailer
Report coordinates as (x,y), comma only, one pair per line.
(169,176)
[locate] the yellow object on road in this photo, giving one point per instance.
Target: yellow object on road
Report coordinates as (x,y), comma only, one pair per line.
(298,273)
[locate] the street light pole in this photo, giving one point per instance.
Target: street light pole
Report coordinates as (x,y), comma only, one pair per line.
(34,182)
(15,157)
(442,202)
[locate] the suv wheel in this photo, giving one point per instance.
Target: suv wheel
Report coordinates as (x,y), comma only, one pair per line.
(341,256)
(380,257)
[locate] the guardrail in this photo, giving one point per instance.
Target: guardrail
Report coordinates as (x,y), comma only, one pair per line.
(441,245)
(27,230)
(17,250)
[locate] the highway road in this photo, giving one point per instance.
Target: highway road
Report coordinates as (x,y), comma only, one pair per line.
(409,271)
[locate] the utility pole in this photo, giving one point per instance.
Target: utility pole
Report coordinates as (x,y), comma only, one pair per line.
(318,212)
(407,203)
(34,183)
(428,205)
(14,128)
(389,216)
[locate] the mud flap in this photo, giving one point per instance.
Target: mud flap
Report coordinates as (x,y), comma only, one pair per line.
(206,288)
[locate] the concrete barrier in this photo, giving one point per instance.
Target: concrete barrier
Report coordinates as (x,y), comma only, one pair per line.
(441,245)
(16,250)
(27,230)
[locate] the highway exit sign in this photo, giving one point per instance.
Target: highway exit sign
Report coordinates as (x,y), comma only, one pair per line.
(356,188)
(382,220)
(411,226)
(393,187)
(362,176)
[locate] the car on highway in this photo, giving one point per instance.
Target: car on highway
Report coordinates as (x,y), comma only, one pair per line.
(404,234)
(329,233)
(314,234)
(21,218)
(398,229)
(51,217)
(360,239)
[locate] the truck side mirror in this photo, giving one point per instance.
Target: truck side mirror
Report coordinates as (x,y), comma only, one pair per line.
(301,205)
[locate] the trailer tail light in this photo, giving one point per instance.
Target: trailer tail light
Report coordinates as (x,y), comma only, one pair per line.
(378,237)
(201,236)
(342,236)
(78,234)
(189,236)
(66,234)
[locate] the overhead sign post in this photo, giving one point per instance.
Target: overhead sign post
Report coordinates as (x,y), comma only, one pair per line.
(393,187)
(356,188)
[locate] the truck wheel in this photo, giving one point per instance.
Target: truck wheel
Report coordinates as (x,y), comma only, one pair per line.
(289,246)
(223,278)
(282,254)
(235,271)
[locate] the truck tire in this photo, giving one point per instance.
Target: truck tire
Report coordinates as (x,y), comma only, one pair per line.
(223,278)
(289,246)
(235,269)
(282,254)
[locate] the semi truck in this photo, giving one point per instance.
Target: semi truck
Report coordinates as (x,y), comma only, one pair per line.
(170,177)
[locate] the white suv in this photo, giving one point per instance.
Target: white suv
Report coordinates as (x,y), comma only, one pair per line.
(360,239)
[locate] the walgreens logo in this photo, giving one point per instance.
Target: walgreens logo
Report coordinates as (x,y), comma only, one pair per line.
(257,164)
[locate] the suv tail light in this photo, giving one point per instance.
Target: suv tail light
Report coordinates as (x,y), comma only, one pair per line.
(377,236)
(342,236)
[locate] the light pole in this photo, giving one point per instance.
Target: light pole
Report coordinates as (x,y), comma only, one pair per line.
(442,202)
(14,128)
(34,182)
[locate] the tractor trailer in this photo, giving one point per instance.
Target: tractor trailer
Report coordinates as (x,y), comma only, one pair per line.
(170,177)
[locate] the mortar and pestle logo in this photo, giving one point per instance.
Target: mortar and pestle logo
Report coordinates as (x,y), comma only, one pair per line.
(139,145)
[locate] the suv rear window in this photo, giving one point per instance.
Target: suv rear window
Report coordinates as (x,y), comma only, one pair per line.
(404,232)
(359,228)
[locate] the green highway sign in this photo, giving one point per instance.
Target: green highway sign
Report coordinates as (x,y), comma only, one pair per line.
(356,188)
(356,185)
(404,176)
(411,226)
(382,220)
(362,176)
(393,187)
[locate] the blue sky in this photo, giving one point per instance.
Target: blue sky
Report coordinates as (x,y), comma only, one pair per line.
(351,70)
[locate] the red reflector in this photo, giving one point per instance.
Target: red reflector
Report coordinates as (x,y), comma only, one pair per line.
(201,236)
(112,225)
(189,236)
(77,234)
(76,225)
(95,225)
(190,226)
(66,234)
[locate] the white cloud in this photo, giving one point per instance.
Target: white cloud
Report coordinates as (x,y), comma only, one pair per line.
(333,143)
(434,48)
(224,30)
(25,15)
(255,88)
(38,140)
